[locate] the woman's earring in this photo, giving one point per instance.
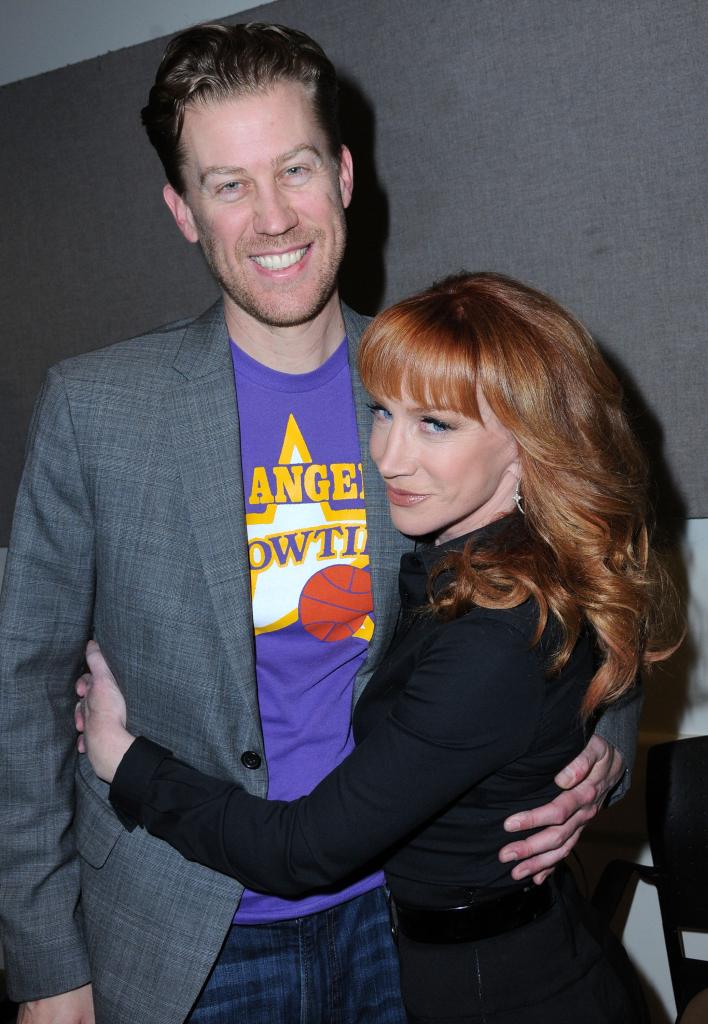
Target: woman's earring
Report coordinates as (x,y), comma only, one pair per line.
(518,499)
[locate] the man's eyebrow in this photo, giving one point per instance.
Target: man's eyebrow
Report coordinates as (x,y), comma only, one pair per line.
(283,158)
(306,147)
(209,172)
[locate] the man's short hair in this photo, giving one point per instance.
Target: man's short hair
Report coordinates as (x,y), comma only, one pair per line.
(216,62)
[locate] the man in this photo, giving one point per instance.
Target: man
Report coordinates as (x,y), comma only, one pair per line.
(184,491)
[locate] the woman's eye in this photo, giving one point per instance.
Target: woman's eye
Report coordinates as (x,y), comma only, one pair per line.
(378,411)
(434,426)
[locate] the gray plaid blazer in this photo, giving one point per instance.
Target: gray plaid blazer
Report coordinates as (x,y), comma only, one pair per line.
(130,527)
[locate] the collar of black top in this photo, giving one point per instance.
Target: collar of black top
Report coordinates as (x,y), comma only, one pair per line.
(417,565)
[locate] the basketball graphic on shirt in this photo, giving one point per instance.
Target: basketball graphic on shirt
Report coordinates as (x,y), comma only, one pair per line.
(335,602)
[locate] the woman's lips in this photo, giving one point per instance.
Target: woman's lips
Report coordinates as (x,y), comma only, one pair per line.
(404,498)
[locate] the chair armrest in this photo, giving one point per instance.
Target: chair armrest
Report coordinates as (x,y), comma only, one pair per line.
(614,881)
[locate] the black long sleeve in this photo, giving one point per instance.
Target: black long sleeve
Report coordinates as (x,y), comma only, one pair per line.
(470,722)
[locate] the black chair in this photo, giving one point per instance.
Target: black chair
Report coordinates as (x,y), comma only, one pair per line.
(677,823)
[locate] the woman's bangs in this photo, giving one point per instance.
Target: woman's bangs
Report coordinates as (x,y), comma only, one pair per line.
(401,360)
(382,360)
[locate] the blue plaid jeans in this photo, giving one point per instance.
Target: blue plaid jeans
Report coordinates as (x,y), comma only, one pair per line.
(338,966)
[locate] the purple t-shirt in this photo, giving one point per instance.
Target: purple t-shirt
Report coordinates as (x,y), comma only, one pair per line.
(310,582)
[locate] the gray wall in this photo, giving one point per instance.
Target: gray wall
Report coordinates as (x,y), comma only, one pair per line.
(38,36)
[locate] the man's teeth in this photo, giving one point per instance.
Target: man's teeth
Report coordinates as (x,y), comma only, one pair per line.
(281,260)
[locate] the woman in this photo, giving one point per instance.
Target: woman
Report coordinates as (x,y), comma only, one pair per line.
(532,602)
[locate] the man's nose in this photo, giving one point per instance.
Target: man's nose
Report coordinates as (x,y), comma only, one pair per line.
(273,213)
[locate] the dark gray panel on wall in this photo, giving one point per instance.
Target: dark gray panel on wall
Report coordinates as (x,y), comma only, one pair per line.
(562,142)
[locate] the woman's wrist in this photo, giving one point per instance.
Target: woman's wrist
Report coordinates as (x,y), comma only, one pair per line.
(109,750)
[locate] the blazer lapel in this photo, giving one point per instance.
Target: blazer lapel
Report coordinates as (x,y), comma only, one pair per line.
(207,446)
(386,544)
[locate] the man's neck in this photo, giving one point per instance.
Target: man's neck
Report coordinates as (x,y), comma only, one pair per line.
(298,349)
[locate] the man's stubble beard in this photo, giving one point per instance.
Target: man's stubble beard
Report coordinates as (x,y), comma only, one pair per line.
(259,307)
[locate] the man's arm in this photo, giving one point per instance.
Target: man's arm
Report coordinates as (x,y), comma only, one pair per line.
(619,726)
(600,773)
(45,618)
(75,1007)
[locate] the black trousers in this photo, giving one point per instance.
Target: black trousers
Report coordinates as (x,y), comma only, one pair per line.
(564,968)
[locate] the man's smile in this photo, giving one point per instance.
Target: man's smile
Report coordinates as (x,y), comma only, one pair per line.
(281,260)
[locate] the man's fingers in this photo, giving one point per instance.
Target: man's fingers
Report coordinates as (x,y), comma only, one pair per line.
(559,811)
(586,781)
(575,772)
(544,862)
(605,771)
(551,839)
(580,767)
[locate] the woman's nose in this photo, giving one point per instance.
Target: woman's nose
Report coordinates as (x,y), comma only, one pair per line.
(395,456)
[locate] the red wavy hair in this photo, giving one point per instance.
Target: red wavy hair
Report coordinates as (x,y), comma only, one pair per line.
(583,553)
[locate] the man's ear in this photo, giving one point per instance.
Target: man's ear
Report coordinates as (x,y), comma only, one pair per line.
(346,176)
(181,213)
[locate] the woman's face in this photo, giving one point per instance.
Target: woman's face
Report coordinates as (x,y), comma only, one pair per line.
(446,474)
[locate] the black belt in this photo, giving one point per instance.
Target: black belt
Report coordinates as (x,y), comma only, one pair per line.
(474,922)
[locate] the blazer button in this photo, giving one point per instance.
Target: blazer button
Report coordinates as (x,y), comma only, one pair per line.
(250,759)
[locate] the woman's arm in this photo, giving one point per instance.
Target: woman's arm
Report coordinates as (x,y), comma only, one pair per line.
(451,727)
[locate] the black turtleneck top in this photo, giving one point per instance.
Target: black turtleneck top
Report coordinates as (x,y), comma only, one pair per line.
(458,727)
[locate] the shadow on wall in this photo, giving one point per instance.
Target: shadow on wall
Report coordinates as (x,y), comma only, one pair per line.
(670,682)
(363,277)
